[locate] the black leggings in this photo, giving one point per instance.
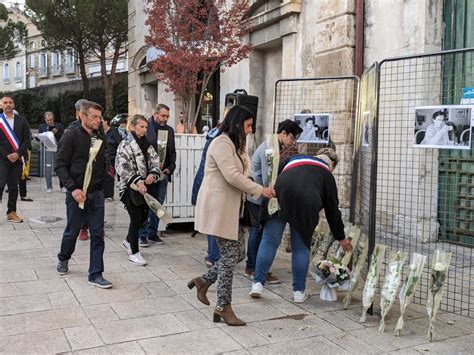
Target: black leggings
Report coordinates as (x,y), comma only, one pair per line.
(138,216)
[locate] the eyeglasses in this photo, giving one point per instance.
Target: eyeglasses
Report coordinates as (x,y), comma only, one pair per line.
(292,137)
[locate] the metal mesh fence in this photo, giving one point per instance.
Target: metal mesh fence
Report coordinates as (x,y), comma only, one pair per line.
(422,189)
(333,101)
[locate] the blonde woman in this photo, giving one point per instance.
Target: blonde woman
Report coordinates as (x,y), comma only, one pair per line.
(136,163)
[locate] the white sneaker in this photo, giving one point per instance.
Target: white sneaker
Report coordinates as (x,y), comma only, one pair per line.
(300,297)
(257,289)
(63,189)
(137,259)
(126,246)
(48,191)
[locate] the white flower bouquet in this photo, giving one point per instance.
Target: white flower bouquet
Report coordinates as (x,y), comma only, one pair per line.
(321,233)
(409,287)
(353,234)
(372,278)
(272,155)
(331,274)
(392,282)
(359,257)
(439,273)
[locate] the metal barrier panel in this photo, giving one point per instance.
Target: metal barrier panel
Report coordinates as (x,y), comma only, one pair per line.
(334,98)
(424,196)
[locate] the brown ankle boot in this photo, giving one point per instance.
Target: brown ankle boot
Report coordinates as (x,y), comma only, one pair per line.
(201,287)
(228,315)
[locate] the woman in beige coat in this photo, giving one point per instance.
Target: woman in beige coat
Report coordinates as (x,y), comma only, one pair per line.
(219,204)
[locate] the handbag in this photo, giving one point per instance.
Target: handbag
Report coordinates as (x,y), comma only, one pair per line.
(249,214)
(135,197)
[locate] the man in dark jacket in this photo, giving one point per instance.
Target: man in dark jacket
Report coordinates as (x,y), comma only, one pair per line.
(49,125)
(304,187)
(72,159)
(14,141)
(158,122)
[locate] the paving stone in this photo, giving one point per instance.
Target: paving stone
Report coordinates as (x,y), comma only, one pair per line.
(338,319)
(163,274)
(140,328)
(17,275)
(195,320)
(246,336)
(456,345)
(33,287)
(315,344)
(353,344)
(45,320)
(198,342)
(46,342)
(149,307)
(159,289)
(25,304)
(28,263)
(100,313)
(83,337)
(89,295)
(64,299)
(131,347)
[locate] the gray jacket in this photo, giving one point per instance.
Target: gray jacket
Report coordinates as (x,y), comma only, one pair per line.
(259,170)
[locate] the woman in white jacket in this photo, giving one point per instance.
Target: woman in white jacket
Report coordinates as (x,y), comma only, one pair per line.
(136,163)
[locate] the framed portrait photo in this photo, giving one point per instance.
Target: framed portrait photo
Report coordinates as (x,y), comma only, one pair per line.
(315,127)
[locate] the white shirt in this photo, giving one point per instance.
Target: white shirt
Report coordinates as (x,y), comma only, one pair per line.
(10,120)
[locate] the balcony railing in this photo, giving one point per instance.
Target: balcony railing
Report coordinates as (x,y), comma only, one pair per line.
(43,71)
(56,70)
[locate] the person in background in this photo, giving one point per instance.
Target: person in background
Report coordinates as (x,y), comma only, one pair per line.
(49,125)
(180,127)
(15,138)
(137,163)
(72,159)
(112,140)
(437,133)
(304,187)
(213,253)
(288,132)
(158,122)
(219,202)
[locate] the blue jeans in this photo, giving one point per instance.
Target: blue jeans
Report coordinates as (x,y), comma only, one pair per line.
(94,210)
(271,238)
(158,191)
(213,252)
(255,237)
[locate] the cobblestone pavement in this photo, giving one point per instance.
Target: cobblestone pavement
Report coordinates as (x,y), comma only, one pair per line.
(150,309)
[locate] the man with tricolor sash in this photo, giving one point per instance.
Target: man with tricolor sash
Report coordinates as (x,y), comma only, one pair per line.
(14,142)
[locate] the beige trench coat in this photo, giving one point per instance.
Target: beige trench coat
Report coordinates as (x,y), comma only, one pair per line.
(220,195)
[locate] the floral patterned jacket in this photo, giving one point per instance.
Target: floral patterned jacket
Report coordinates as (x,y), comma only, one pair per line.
(131,166)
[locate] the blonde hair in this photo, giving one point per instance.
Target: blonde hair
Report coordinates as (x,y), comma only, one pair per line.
(133,120)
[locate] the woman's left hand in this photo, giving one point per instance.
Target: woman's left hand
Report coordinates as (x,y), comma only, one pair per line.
(149,179)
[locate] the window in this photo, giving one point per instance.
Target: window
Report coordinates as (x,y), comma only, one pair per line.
(18,71)
(69,65)
(43,64)
(32,61)
(43,43)
(6,73)
(32,46)
(56,63)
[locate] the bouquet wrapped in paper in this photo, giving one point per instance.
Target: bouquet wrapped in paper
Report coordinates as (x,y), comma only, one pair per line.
(272,154)
(359,257)
(332,275)
(409,287)
(161,143)
(155,206)
(321,233)
(93,151)
(372,278)
(393,279)
(439,273)
(353,234)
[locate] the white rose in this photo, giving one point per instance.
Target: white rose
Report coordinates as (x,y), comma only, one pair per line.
(439,267)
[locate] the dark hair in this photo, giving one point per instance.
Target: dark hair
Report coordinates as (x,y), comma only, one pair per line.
(233,125)
(8,94)
(290,126)
(86,105)
(159,107)
(439,113)
(311,118)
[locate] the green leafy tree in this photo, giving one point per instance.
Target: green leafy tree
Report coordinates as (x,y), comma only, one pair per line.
(11,33)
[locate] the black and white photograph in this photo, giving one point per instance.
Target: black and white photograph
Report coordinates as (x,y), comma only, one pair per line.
(365,128)
(315,127)
(443,127)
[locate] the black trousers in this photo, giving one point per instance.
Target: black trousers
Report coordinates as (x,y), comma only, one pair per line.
(138,216)
(10,174)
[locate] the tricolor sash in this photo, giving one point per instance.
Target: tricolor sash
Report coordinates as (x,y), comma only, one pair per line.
(8,131)
(305,160)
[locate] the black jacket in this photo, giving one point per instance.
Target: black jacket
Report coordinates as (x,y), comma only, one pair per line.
(113,139)
(302,192)
(22,131)
(72,158)
(170,159)
(43,127)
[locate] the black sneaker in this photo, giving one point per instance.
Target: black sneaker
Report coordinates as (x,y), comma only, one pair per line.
(144,242)
(156,239)
(99,281)
(62,268)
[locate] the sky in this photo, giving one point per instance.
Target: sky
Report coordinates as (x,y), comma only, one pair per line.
(9,3)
